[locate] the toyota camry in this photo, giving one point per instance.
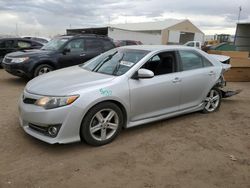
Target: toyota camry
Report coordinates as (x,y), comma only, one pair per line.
(121,88)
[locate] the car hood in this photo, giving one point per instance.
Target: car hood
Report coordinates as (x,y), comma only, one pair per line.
(66,81)
(29,53)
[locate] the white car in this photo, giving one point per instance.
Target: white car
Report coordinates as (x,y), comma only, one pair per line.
(121,88)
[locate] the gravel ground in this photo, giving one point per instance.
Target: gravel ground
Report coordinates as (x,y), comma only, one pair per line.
(192,151)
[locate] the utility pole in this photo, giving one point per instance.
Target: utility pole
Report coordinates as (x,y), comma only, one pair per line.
(16,29)
(236,32)
(240,9)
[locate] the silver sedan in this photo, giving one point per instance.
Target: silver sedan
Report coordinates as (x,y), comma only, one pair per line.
(121,88)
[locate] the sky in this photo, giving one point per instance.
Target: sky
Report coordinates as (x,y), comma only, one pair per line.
(52,17)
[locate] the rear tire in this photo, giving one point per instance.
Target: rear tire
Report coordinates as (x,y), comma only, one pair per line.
(42,69)
(212,101)
(102,124)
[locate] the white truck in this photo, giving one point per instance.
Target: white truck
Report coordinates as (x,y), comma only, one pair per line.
(196,44)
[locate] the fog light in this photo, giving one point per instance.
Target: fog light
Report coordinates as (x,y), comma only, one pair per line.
(52,131)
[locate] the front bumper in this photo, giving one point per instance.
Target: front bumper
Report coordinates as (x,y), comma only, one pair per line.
(18,69)
(68,118)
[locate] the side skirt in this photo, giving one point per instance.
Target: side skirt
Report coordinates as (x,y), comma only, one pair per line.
(166,116)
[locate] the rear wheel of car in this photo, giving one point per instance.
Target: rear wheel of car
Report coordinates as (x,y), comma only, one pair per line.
(212,101)
(42,69)
(102,124)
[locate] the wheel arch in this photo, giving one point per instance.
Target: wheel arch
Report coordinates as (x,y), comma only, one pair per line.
(48,62)
(118,103)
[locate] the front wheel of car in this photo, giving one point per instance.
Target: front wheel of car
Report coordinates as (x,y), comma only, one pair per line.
(212,101)
(42,69)
(102,124)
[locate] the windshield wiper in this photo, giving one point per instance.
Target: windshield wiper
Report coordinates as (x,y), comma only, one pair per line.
(97,67)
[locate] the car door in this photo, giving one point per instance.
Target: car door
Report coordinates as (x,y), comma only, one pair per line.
(158,95)
(198,77)
(73,53)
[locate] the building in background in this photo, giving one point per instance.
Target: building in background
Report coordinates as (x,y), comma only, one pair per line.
(161,32)
(242,37)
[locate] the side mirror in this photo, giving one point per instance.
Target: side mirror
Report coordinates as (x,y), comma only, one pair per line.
(144,73)
(65,51)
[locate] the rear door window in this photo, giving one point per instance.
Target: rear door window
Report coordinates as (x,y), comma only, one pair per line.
(190,60)
(94,45)
(107,45)
(76,45)
(131,43)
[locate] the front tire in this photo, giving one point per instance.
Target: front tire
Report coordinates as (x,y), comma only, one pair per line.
(102,124)
(42,69)
(212,101)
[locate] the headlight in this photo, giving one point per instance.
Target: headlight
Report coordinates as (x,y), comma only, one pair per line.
(55,102)
(19,59)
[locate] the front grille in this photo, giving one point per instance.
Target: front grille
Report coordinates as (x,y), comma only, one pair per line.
(7,60)
(29,101)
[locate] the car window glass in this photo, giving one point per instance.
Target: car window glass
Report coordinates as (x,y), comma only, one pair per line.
(162,63)
(131,43)
(36,44)
(190,44)
(55,44)
(123,43)
(107,45)
(94,45)
(197,44)
(76,45)
(207,63)
(7,44)
(115,62)
(2,45)
(190,60)
(23,44)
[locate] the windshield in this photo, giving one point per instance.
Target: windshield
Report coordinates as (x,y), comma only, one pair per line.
(54,44)
(115,62)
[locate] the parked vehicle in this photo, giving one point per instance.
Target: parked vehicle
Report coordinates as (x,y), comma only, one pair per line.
(119,43)
(123,87)
(42,40)
(196,44)
(8,45)
(59,53)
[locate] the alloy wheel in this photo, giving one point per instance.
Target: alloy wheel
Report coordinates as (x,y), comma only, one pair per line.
(44,70)
(212,101)
(104,124)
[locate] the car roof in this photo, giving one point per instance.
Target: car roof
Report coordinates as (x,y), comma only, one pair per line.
(15,38)
(84,36)
(45,38)
(18,38)
(158,47)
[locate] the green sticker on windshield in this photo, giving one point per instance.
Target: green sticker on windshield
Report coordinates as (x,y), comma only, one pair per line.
(105,92)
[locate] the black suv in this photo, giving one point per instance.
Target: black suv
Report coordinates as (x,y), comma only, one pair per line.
(8,45)
(63,51)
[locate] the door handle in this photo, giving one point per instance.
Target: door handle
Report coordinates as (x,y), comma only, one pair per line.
(82,55)
(175,80)
(211,73)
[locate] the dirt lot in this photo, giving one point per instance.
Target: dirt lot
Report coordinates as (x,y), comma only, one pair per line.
(195,150)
